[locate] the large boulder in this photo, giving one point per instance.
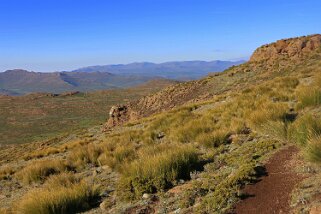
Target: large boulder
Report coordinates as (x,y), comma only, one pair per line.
(119,115)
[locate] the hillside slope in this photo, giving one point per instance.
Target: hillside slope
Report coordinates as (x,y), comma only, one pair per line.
(194,147)
(266,63)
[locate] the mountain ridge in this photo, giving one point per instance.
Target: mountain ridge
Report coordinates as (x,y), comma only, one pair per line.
(173,70)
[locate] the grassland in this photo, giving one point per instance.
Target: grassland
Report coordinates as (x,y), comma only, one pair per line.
(34,117)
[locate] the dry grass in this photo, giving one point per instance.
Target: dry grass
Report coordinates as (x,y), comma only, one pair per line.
(6,172)
(43,153)
(116,157)
(156,169)
(309,97)
(313,149)
(304,128)
(81,156)
(61,194)
(39,170)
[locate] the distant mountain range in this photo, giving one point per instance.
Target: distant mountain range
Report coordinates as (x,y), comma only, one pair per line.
(17,82)
(180,70)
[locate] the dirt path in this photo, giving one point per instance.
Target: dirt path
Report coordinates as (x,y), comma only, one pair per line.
(272,193)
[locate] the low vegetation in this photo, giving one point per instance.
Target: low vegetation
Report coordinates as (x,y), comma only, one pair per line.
(156,169)
(60,194)
(33,117)
(6,172)
(38,171)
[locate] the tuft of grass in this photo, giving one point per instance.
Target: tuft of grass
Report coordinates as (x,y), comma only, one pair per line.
(156,169)
(304,128)
(42,153)
(268,112)
(38,171)
(213,139)
(313,149)
(309,97)
(61,194)
(189,131)
(81,156)
(6,172)
(116,157)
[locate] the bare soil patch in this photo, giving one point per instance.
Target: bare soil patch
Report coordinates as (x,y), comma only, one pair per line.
(272,193)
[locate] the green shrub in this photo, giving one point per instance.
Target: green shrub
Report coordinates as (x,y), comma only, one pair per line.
(156,169)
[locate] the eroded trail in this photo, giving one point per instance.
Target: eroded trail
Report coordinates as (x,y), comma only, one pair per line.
(272,193)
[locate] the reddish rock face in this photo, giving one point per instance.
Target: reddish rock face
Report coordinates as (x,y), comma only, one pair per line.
(119,115)
(287,49)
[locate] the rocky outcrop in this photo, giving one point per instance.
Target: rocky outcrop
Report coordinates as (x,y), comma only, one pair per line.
(292,49)
(164,100)
(118,115)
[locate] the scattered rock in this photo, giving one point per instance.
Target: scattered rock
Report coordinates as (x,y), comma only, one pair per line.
(146,196)
(177,211)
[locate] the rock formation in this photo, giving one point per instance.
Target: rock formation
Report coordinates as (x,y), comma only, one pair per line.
(293,49)
(118,115)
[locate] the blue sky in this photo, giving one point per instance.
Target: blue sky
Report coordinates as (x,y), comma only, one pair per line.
(50,35)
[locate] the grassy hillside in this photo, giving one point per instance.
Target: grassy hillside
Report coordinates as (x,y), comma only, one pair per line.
(39,116)
(188,153)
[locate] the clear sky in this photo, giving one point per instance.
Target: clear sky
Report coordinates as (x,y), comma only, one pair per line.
(49,35)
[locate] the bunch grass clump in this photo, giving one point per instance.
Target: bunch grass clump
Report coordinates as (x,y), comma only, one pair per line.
(313,149)
(305,128)
(156,169)
(81,156)
(117,156)
(6,172)
(61,194)
(38,171)
(309,97)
